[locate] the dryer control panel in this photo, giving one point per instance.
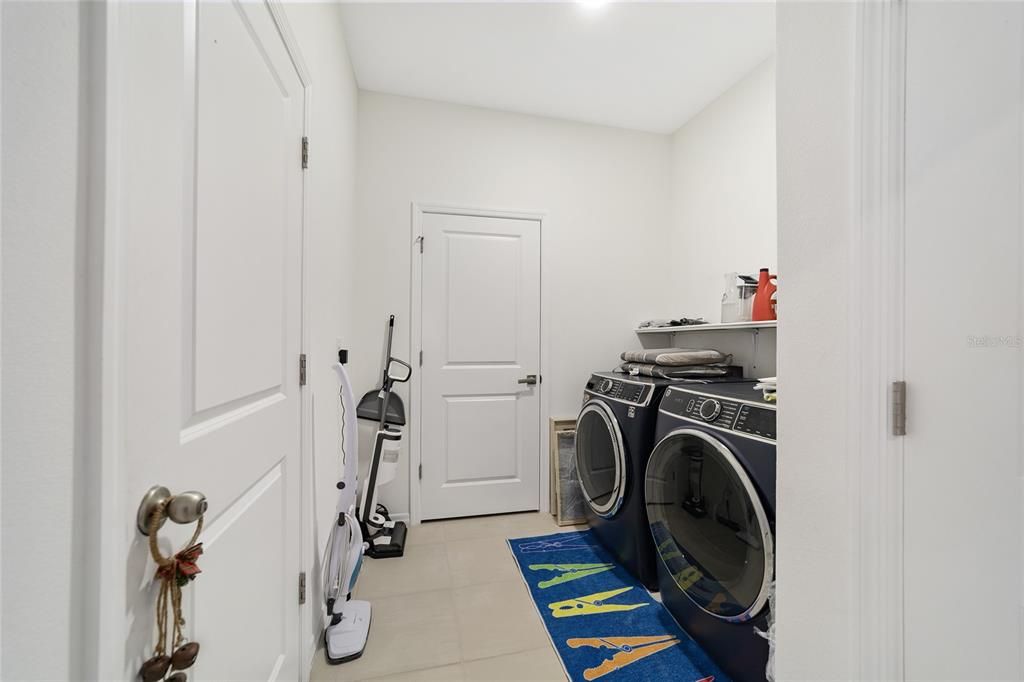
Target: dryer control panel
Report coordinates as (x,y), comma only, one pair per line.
(722,412)
(623,390)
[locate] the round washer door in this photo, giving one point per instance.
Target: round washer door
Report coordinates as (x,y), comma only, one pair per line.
(709,526)
(600,458)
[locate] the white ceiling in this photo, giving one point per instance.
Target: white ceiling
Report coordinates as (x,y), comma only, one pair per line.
(631,65)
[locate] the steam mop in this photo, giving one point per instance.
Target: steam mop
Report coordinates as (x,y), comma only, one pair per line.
(348,620)
(385,536)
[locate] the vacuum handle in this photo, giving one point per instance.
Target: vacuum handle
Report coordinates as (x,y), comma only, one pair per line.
(399,378)
(387,354)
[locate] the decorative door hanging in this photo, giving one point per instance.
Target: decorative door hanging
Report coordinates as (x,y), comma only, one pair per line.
(173,573)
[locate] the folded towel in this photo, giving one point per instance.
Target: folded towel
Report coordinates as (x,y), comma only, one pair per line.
(662,372)
(675,357)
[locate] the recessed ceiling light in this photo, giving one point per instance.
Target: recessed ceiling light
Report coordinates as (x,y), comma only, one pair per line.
(593,5)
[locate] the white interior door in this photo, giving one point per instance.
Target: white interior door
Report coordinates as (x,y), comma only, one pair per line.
(963,463)
(210,290)
(480,427)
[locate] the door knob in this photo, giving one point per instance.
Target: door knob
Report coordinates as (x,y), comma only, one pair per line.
(529,380)
(182,508)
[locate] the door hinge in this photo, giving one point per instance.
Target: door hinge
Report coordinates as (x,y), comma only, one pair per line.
(420,240)
(305,153)
(302,587)
(899,408)
(421,358)
(302,369)
(421,471)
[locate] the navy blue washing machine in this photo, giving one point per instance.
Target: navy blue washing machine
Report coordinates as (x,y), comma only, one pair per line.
(710,496)
(614,437)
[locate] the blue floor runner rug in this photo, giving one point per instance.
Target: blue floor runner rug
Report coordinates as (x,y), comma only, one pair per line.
(603,623)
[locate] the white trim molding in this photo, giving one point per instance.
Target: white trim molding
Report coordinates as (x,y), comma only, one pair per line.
(877,341)
(419,209)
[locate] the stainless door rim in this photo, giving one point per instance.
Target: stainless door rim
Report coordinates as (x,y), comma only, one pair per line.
(611,507)
(762,521)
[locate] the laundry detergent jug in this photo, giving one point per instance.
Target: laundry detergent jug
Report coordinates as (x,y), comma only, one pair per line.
(764,299)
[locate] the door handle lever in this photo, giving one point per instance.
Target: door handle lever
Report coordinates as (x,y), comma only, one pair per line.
(529,380)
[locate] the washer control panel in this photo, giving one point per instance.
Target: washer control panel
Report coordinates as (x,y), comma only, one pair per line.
(732,415)
(618,389)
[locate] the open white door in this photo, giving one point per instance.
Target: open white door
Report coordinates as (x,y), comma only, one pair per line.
(480,414)
(207,288)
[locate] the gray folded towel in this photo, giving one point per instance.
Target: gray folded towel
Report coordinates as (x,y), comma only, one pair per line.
(675,357)
(663,372)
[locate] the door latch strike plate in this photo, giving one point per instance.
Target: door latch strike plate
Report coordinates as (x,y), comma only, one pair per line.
(899,408)
(305,153)
(302,369)
(302,588)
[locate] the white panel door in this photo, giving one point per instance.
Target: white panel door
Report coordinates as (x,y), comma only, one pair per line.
(210,290)
(480,427)
(963,506)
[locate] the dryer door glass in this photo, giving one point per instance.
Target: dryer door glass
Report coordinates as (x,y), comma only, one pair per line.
(709,526)
(600,462)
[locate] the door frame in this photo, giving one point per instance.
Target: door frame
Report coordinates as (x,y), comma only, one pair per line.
(419,210)
(110,524)
(875,327)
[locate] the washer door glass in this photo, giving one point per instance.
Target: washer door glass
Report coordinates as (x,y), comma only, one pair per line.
(709,526)
(600,458)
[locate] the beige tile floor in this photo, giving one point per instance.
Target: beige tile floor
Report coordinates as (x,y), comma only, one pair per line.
(453,608)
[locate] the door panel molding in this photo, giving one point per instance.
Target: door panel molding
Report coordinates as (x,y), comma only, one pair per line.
(418,210)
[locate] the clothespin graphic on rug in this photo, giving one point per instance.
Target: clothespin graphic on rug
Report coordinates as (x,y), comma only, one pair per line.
(628,650)
(173,572)
(591,604)
(568,572)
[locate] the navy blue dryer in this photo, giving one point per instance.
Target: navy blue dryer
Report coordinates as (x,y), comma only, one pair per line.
(614,437)
(710,498)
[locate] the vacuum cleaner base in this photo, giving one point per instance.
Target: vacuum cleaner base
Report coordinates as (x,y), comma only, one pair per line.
(387,543)
(346,639)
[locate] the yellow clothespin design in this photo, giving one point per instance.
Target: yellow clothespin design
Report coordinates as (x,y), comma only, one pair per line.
(628,650)
(568,572)
(590,604)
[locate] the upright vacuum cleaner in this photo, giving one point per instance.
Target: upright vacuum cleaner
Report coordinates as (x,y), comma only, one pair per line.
(347,624)
(386,537)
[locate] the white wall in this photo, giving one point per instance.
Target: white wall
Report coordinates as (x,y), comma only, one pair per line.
(606,193)
(43,229)
(330,259)
(815,62)
(723,193)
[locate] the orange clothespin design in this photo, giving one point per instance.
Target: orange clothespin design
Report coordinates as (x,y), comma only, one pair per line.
(628,650)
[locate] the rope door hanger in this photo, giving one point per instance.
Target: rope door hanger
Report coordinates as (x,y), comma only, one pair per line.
(174,573)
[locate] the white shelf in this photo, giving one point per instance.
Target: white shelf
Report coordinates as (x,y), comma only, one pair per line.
(726,326)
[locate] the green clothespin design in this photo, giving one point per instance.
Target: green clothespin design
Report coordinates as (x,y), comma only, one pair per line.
(568,572)
(669,549)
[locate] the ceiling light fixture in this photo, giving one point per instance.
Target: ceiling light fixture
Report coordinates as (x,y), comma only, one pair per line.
(593,5)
